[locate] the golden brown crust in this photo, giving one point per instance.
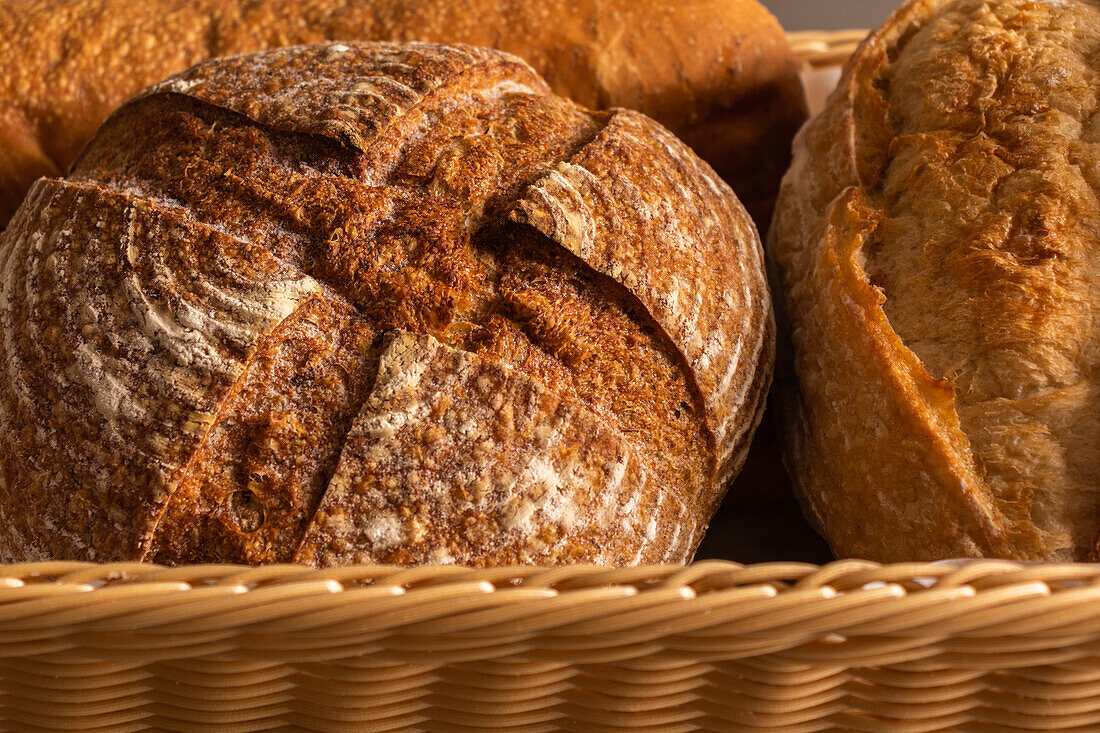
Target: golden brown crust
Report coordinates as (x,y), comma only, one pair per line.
(618,224)
(935,246)
(117,352)
(459,459)
(717,72)
(266,461)
(376,196)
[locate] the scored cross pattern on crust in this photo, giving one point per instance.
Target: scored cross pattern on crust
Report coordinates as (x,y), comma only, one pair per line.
(200,324)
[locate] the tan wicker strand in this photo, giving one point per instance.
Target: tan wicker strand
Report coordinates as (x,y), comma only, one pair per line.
(816,49)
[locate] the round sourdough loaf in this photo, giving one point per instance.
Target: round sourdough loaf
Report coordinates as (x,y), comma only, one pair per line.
(376,303)
(938,248)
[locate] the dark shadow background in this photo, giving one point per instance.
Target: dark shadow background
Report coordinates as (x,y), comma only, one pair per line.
(774,532)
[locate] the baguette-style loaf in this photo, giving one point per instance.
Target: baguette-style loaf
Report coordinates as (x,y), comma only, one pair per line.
(376,302)
(938,247)
(719,73)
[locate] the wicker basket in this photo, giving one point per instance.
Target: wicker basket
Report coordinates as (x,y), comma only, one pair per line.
(714,646)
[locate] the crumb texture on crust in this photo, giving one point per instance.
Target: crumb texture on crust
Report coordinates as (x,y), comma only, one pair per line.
(942,308)
(286,305)
(618,225)
(124,323)
(456,458)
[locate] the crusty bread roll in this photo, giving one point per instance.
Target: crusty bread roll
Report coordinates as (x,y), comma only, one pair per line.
(719,73)
(376,303)
(937,246)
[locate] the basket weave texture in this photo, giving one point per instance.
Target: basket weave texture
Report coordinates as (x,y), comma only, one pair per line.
(713,646)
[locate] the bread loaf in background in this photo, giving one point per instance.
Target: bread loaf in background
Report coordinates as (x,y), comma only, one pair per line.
(376,303)
(719,73)
(936,243)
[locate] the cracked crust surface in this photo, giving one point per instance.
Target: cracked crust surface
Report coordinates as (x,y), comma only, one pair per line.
(937,248)
(457,457)
(287,306)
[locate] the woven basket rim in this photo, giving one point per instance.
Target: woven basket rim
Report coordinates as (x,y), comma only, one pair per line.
(984,614)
